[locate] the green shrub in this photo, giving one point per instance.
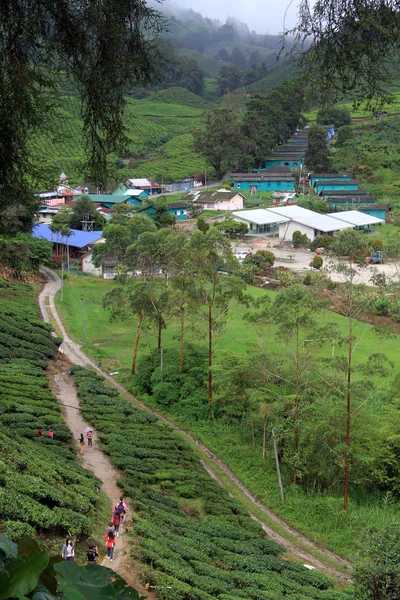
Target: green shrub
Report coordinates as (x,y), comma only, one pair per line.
(382,306)
(307,279)
(300,239)
(316,262)
(15,530)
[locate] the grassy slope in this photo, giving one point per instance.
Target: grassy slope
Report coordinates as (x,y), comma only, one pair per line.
(209,64)
(320,517)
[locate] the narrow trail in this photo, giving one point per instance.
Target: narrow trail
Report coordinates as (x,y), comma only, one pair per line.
(73,352)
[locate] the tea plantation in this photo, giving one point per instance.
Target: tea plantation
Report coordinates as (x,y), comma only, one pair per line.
(194,541)
(43,490)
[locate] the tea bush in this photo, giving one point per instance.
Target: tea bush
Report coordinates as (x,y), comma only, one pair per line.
(42,487)
(195,542)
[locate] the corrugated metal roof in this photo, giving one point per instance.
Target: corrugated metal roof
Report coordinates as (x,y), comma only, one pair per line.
(356,218)
(309,218)
(336,182)
(134,192)
(259,216)
(78,239)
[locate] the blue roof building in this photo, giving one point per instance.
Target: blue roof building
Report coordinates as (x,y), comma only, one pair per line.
(78,239)
(335,184)
(314,177)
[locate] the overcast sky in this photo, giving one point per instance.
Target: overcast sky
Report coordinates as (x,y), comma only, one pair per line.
(264,16)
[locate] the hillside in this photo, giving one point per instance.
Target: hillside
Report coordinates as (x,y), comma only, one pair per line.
(277,77)
(157,128)
(34,499)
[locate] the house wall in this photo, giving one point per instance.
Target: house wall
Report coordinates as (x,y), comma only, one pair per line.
(88,266)
(292,164)
(319,187)
(336,202)
(180,213)
(286,231)
(265,186)
(336,177)
(255,229)
(235,203)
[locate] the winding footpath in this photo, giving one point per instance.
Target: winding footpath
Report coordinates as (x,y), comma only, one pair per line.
(296,543)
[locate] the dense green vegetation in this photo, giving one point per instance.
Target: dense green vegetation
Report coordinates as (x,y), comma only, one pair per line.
(42,487)
(193,540)
(28,571)
(319,514)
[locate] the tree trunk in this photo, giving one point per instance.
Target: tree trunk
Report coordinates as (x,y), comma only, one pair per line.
(182,340)
(159,332)
(210,356)
(296,417)
(264,438)
(348,420)
(140,319)
(253,441)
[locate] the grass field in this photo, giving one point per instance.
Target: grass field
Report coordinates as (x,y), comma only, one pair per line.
(321,517)
(361,112)
(113,342)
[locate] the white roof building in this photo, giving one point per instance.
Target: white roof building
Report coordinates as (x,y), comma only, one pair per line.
(295,218)
(356,218)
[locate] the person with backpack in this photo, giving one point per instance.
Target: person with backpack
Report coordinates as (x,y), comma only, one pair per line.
(122,508)
(116,521)
(68,550)
(110,544)
(92,554)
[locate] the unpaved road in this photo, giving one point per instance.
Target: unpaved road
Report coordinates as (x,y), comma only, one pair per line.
(302,260)
(73,352)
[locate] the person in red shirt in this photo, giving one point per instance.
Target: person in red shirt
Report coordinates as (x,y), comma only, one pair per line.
(50,433)
(40,432)
(110,544)
(116,522)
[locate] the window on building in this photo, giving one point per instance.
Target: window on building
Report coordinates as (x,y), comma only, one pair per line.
(178,212)
(238,186)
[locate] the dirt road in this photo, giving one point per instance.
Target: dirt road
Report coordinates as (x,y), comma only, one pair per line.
(301,543)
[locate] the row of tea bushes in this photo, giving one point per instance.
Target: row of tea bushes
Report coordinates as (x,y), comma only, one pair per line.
(42,486)
(195,542)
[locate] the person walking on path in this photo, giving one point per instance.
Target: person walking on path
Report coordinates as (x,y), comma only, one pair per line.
(81,444)
(116,522)
(50,434)
(110,544)
(68,550)
(92,554)
(89,436)
(122,508)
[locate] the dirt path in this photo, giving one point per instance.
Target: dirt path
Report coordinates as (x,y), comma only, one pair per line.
(73,352)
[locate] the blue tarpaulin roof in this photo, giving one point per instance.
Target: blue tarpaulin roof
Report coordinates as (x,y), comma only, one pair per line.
(78,239)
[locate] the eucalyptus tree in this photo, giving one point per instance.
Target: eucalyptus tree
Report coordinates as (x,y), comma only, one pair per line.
(212,256)
(293,312)
(131,302)
(103,47)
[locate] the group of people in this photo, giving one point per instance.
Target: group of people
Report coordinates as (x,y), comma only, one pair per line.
(112,532)
(49,433)
(89,438)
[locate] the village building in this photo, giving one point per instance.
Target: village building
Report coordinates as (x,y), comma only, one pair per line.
(179,209)
(335,185)
(314,177)
(260,220)
(79,242)
(148,185)
(357,220)
(263,182)
(219,200)
(293,160)
(356,195)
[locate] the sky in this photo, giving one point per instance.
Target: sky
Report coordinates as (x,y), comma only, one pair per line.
(264,16)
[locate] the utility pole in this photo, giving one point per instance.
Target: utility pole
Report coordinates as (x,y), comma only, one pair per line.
(278,470)
(62,280)
(161,363)
(84,321)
